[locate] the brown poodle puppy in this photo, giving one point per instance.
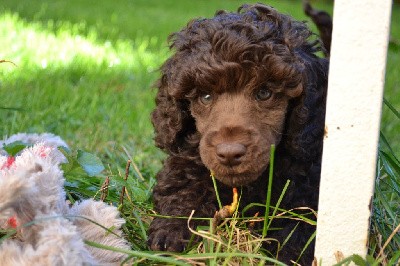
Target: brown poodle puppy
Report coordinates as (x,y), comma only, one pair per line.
(236,84)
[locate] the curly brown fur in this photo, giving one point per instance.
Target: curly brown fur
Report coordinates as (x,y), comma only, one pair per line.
(236,84)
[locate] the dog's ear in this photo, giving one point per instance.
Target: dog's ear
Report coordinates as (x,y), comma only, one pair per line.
(171,120)
(306,114)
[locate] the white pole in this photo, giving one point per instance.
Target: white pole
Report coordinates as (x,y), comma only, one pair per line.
(356,79)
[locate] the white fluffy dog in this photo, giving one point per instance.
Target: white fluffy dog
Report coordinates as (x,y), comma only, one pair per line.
(49,231)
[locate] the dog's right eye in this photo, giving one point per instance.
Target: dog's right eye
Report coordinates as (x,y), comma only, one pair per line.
(206,99)
(263,94)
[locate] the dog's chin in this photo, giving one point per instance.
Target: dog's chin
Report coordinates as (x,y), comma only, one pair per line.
(236,180)
(248,171)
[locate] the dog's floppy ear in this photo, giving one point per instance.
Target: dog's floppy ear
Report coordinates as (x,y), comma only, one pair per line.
(171,119)
(306,114)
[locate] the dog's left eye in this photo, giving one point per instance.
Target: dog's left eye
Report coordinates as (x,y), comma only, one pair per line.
(206,99)
(263,94)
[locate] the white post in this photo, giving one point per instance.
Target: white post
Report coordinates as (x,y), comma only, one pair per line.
(356,79)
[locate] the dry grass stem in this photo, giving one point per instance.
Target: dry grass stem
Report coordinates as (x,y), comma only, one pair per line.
(7,61)
(237,239)
(395,231)
(123,191)
(104,189)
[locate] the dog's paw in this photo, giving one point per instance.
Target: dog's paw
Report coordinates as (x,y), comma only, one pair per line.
(169,240)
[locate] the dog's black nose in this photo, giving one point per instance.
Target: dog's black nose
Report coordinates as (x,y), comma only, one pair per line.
(230,153)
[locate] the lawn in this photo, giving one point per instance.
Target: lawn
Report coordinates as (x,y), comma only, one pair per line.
(84,70)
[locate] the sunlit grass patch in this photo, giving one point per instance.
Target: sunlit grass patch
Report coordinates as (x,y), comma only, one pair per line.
(35,45)
(94,93)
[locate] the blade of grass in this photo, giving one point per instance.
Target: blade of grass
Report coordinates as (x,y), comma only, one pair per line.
(289,235)
(380,196)
(393,162)
(160,257)
(36,221)
(395,260)
(141,225)
(233,254)
(386,143)
(279,202)
(269,190)
(307,244)
(216,190)
(11,108)
(395,231)
(293,214)
(388,104)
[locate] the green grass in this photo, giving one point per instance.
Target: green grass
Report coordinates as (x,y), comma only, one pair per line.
(84,71)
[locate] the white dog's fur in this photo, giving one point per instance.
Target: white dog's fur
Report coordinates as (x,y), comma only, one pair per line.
(49,232)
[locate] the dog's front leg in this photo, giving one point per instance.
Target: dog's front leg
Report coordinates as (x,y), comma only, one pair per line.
(179,190)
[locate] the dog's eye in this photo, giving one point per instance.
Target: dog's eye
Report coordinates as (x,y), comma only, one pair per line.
(206,99)
(263,94)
